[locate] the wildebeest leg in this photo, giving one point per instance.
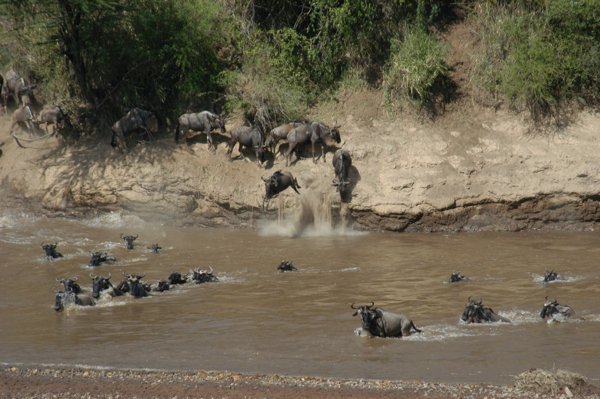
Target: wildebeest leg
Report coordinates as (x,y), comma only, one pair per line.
(288,154)
(209,140)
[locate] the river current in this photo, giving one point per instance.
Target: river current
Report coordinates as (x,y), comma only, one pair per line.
(256,319)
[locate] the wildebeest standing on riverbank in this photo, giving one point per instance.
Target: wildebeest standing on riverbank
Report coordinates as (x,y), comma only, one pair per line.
(248,136)
(315,132)
(135,120)
(203,122)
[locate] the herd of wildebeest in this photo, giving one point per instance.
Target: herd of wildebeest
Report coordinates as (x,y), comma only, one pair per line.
(145,122)
(376,322)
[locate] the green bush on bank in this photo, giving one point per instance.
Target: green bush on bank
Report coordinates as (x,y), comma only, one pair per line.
(416,70)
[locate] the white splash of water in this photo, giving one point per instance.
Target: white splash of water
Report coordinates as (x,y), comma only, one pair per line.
(115,220)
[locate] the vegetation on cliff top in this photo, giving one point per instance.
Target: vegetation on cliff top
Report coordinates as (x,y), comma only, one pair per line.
(272,59)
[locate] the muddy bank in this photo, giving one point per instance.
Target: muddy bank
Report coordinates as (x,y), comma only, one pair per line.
(465,172)
(63,382)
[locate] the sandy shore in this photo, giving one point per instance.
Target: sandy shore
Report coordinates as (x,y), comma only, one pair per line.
(67,382)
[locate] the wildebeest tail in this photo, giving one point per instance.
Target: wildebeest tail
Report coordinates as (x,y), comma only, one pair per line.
(415,327)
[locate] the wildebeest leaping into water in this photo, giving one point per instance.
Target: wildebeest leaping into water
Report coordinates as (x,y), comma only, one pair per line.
(278,182)
(342,161)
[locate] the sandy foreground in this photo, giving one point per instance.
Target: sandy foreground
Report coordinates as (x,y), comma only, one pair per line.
(66,382)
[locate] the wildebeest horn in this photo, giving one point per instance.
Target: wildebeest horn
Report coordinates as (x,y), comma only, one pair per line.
(266,180)
(211,270)
(371,305)
(109,276)
(60,280)
(352,306)
(75,278)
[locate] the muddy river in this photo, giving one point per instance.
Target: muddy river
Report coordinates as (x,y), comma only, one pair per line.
(256,319)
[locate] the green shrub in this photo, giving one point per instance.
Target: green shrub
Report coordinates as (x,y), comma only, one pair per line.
(416,70)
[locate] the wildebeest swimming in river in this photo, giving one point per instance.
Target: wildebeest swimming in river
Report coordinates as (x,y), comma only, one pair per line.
(129,239)
(553,311)
(381,323)
(476,312)
(278,182)
(315,132)
(62,299)
(155,248)
(70,284)
(286,266)
(248,136)
(50,251)
(551,276)
(99,258)
(456,277)
(135,120)
(203,122)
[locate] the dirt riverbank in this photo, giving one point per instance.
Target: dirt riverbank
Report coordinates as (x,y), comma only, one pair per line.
(62,383)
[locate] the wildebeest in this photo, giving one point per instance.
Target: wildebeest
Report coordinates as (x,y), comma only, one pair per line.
(381,323)
(136,288)
(155,248)
(476,312)
(200,276)
(286,266)
(278,182)
(177,278)
(248,136)
(52,116)
(553,311)
(17,86)
(70,284)
(456,277)
(342,161)
(203,122)
(280,133)
(129,239)
(62,299)
(551,276)
(135,120)
(99,258)
(161,286)
(24,118)
(50,251)
(101,283)
(315,132)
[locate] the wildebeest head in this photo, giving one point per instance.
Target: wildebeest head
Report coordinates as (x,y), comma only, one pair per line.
(286,266)
(129,239)
(367,314)
(155,248)
(162,286)
(550,276)
(217,122)
(456,277)
(203,276)
(63,298)
(549,309)
(50,251)
(476,312)
(136,287)
(70,284)
(177,278)
(98,258)
(99,284)
(335,133)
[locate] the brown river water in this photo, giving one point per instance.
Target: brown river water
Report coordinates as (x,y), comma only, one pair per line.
(256,319)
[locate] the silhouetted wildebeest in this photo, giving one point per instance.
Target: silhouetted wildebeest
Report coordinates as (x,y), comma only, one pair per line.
(278,182)
(456,277)
(381,323)
(99,258)
(62,299)
(342,161)
(286,266)
(315,132)
(200,276)
(248,136)
(551,276)
(553,311)
(53,116)
(203,122)
(135,120)
(155,248)
(50,251)
(280,133)
(70,284)
(129,239)
(476,312)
